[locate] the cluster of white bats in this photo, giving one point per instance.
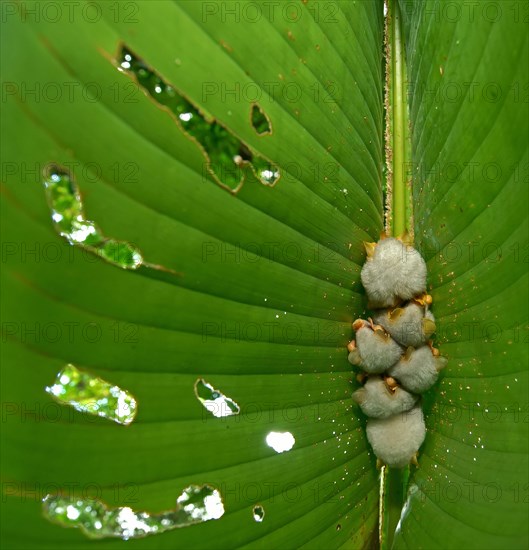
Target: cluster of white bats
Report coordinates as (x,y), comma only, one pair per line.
(394,350)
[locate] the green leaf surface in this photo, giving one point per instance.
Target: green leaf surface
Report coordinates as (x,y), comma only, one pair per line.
(468,78)
(261,288)
(258,288)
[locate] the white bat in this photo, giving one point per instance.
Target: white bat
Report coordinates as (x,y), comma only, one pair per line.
(411,324)
(393,272)
(380,398)
(418,369)
(373,350)
(396,440)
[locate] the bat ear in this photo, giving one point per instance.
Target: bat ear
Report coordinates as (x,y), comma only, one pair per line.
(391,384)
(440,363)
(376,328)
(414,460)
(351,346)
(359,396)
(370,249)
(381,333)
(361,377)
(394,314)
(406,238)
(435,351)
(355,358)
(428,327)
(424,300)
(408,353)
(358,324)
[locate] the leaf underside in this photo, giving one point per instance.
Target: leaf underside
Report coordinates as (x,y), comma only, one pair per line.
(468,78)
(268,278)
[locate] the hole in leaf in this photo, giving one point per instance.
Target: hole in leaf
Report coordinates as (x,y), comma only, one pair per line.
(260,122)
(226,154)
(280,441)
(69,220)
(92,395)
(195,505)
(214,401)
(258,513)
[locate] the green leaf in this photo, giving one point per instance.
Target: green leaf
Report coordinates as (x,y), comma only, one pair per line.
(468,78)
(254,292)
